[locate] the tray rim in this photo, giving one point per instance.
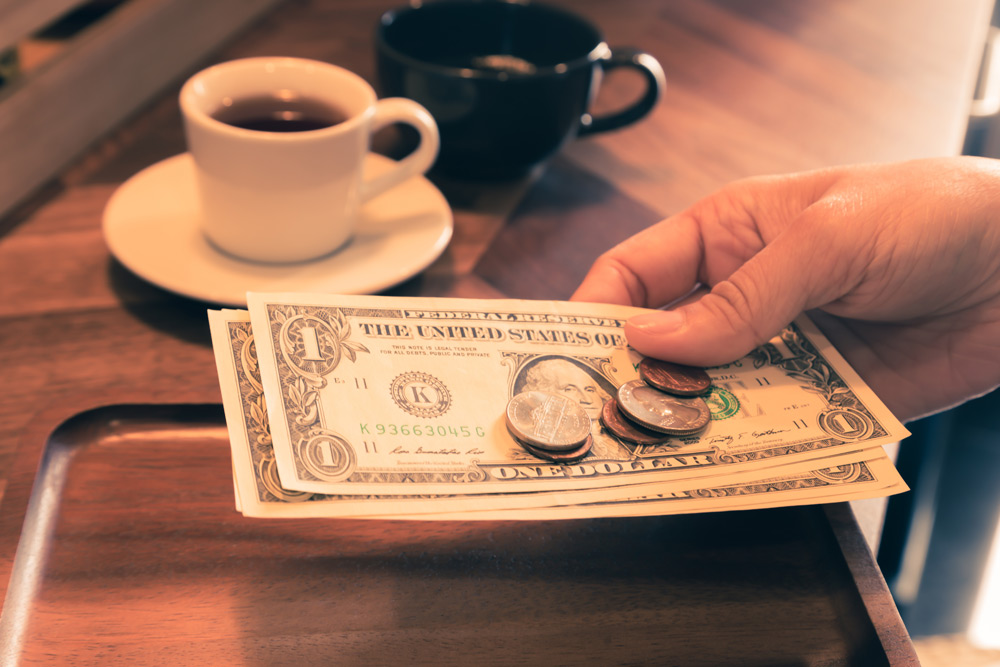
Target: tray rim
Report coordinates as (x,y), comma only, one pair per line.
(54,433)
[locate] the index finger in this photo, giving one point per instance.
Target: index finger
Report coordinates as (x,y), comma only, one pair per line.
(654,267)
(704,244)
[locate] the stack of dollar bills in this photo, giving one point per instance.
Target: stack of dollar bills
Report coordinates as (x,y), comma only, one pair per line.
(394,408)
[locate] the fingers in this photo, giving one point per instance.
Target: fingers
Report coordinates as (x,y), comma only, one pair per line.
(802,262)
(704,244)
(610,281)
(652,268)
(766,248)
(740,313)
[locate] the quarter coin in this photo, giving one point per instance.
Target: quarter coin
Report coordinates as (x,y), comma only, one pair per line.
(674,378)
(626,429)
(547,421)
(654,409)
(563,456)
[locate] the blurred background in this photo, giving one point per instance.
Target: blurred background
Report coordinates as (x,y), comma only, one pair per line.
(939,549)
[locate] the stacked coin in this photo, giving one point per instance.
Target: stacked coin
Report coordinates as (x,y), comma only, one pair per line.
(664,402)
(549,426)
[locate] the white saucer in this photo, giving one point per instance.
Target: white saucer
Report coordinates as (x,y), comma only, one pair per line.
(151,226)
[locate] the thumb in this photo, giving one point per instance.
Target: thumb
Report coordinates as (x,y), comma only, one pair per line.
(741,312)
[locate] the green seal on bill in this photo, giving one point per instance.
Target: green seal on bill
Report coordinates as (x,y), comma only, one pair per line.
(722,404)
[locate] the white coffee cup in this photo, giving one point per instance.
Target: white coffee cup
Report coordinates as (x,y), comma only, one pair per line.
(274,196)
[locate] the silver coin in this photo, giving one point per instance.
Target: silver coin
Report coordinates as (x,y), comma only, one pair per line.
(627,429)
(547,421)
(652,408)
(562,456)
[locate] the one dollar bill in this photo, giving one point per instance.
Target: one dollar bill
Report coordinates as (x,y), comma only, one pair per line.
(259,492)
(382,395)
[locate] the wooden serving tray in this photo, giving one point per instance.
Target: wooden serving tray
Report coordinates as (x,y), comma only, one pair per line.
(132,552)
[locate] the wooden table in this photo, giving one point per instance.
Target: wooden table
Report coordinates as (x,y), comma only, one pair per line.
(753,88)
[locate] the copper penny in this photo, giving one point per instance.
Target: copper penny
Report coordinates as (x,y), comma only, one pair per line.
(625,429)
(674,378)
(659,411)
(560,457)
(547,421)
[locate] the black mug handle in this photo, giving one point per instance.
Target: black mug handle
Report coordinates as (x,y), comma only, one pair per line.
(656,84)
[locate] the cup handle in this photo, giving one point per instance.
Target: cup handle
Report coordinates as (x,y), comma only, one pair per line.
(656,84)
(401,110)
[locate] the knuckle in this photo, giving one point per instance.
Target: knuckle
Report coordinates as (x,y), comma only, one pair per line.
(736,303)
(611,268)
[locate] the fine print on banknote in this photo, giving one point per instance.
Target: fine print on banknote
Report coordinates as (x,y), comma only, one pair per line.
(381,395)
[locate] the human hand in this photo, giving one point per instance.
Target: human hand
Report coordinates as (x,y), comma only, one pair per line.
(905,258)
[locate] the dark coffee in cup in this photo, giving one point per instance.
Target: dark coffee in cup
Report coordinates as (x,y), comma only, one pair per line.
(508,82)
(279,113)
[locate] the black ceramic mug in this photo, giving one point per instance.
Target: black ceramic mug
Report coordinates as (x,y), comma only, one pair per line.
(508,82)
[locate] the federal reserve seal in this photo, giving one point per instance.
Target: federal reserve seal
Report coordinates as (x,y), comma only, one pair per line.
(420,394)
